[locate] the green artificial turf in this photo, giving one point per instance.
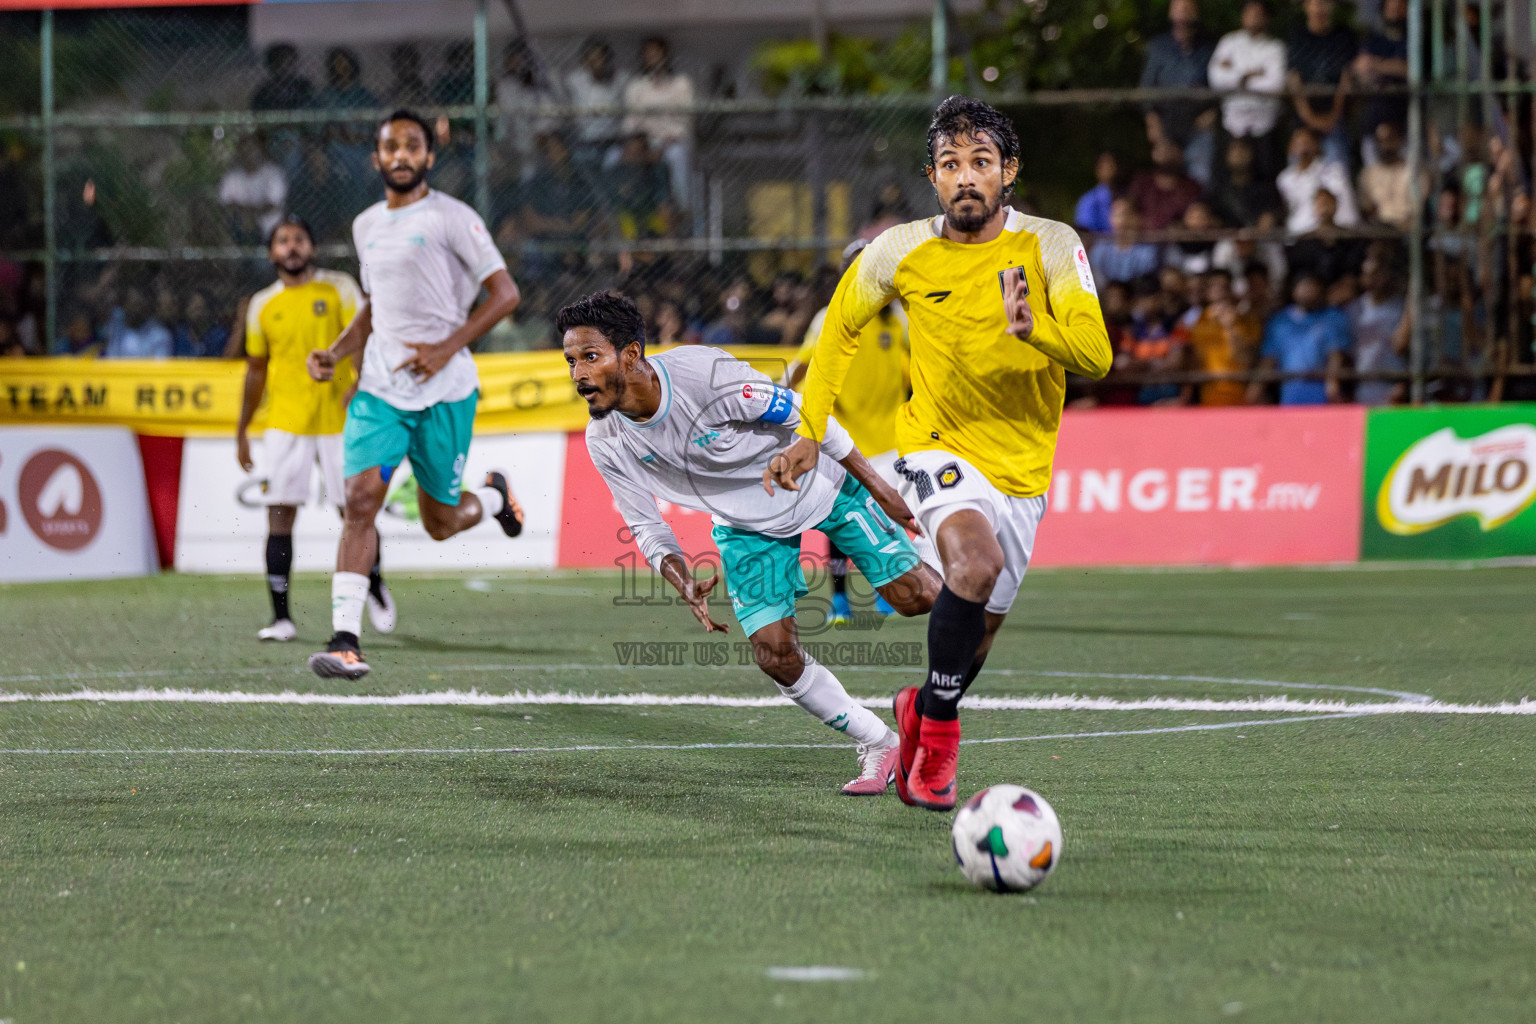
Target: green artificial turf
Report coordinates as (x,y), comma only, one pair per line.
(1376,868)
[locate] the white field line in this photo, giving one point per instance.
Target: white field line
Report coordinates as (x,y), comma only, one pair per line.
(443,751)
(448,670)
(475,698)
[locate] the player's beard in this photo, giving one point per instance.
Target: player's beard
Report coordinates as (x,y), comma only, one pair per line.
(969,224)
(294,265)
(619,388)
(416,179)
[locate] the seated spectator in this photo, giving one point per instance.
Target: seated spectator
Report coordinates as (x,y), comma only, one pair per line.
(1378,327)
(1237,253)
(669,131)
(343,83)
(1162,194)
(252,193)
(11,346)
(1305,337)
(283,88)
(1223,340)
(1320,54)
(1258,292)
(1252,59)
(1308,172)
(520,93)
(132,333)
(1120,257)
(791,309)
(1242,196)
(1093,207)
(671,327)
(1322,252)
(1194,255)
(319,194)
(198,334)
(408,89)
(455,85)
(1156,343)
(638,189)
(1179,59)
(556,205)
(889,209)
(1383,64)
(596,86)
(738,323)
(1384,184)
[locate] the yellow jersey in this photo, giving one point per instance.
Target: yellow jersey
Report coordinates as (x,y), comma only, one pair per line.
(977,391)
(868,412)
(285,325)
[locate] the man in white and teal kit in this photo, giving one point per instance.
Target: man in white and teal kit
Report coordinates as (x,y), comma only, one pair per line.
(696,427)
(424,257)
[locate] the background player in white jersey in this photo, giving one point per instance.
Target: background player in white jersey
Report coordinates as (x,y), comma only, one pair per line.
(424,258)
(304,309)
(696,426)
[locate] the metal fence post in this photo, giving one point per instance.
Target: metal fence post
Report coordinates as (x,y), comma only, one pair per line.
(50,205)
(938,75)
(1417,307)
(482,119)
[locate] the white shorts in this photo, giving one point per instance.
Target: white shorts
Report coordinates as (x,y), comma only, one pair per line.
(288,461)
(936,484)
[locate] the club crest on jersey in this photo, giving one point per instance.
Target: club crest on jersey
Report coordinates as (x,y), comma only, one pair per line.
(320,307)
(1002,279)
(949,476)
(885,339)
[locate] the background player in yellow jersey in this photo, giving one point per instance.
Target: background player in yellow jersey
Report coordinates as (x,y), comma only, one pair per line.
(304,309)
(868,412)
(999,306)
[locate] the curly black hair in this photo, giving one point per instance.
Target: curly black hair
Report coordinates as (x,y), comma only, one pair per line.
(961,117)
(612,315)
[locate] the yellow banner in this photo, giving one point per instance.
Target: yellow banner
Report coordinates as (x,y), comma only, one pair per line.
(519,392)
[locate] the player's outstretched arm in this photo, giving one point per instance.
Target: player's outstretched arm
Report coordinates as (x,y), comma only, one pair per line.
(501,299)
(321,363)
(255,387)
(695,593)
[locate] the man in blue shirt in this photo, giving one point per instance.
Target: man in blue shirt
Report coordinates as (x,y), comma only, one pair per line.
(1120,257)
(1180,59)
(1305,337)
(132,333)
(1093,207)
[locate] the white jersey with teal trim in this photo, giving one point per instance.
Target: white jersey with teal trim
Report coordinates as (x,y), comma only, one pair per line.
(718,424)
(422,266)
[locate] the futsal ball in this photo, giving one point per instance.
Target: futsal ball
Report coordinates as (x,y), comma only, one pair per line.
(1007,839)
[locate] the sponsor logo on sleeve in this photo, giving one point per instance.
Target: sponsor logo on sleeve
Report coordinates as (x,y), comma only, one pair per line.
(1084,270)
(1443,477)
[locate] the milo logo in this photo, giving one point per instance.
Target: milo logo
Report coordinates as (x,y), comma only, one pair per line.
(1442,476)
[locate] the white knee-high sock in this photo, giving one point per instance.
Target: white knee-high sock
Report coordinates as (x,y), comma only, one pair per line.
(818,692)
(928,552)
(349,591)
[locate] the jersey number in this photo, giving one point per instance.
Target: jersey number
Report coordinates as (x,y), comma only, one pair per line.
(882,523)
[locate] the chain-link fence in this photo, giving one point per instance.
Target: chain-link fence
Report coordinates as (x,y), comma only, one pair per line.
(145,153)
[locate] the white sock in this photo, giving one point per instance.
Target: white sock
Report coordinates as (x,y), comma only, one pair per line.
(490,500)
(349,591)
(818,691)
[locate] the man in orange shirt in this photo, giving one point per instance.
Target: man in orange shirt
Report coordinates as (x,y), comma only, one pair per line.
(1223,340)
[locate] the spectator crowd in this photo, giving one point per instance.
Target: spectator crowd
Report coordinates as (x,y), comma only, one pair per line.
(1263,255)
(1253,246)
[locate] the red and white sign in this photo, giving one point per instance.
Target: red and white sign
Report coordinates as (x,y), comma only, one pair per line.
(1205,486)
(72,505)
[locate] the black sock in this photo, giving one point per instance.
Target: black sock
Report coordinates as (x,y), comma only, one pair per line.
(956,629)
(375,575)
(344,639)
(279,565)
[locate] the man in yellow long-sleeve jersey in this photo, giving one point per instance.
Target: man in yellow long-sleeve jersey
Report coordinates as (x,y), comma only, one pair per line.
(999,306)
(868,414)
